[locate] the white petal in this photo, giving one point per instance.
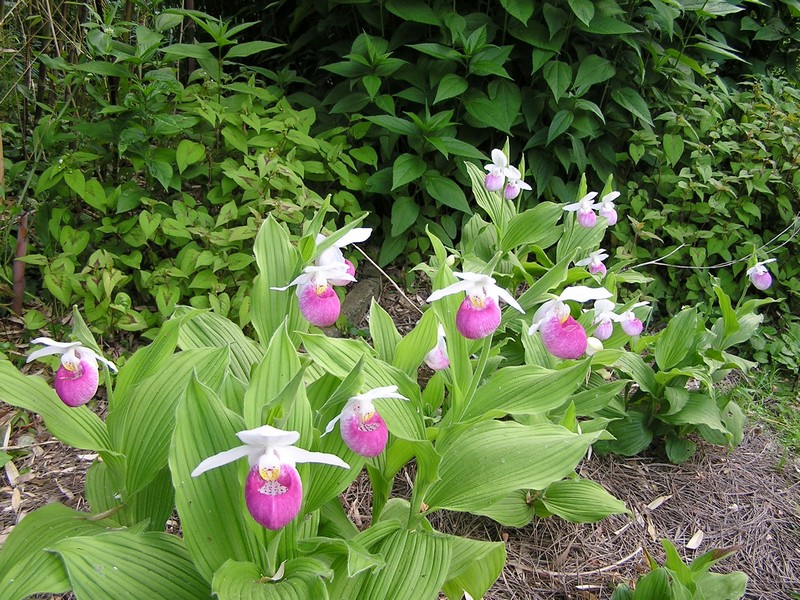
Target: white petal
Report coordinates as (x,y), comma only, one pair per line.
(499,158)
(454,288)
(299,455)
(505,295)
(331,256)
(47,350)
(583,262)
(476,278)
(513,174)
(572,207)
(588,197)
(51,342)
(610,197)
(223,458)
(266,435)
(440,333)
(639,304)
(111,366)
(390,391)
(299,280)
(543,311)
(602,306)
(524,185)
(534,328)
(583,293)
(331,424)
(354,236)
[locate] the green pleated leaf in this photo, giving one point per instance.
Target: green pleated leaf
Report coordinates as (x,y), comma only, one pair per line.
(555,276)
(278,264)
(642,373)
(581,501)
(303,579)
(527,389)
(78,427)
(215,522)
(384,334)
(416,567)
(653,586)
(359,559)
(632,435)
(487,461)
(700,409)
(203,329)
(491,202)
(676,341)
(631,101)
(411,350)
(328,481)
(153,504)
(514,510)
(531,226)
(273,372)
(147,361)
(25,566)
(124,564)
(143,426)
(597,397)
(576,236)
(474,566)
(339,357)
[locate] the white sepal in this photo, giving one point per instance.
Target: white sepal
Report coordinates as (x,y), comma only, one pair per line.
(292,455)
(223,458)
(583,293)
(267,435)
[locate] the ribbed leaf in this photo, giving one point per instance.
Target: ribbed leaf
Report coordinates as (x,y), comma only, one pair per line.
(632,433)
(531,226)
(581,501)
(216,525)
(358,557)
(576,236)
(383,331)
(595,398)
(700,409)
(527,389)
(483,463)
(491,202)
(327,481)
(143,426)
(147,361)
(302,580)
(515,510)
(474,566)
(677,339)
(339,357)
(555,276)
(412,349)
(124,564)
(278,264)
(642,373)
(78,427)
(25,566)
(202,329)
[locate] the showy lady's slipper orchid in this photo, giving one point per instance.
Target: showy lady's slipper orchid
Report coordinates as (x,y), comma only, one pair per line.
(273,490)
(604,316)
(759,276)
(607,208)
(437,359)
(595,262)
(585,208)
(319,303)
(363,429)
(77,377)
(563,336)
(498,171)
(479,313)
(334,256)
(630,322)
(515,184)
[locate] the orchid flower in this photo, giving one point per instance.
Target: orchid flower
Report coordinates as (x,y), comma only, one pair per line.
(585,208)
(479,313)
(563,336)
(334,256)
(593,346)
(759,275)
(77,377)
(607,209)
(498,170)
(318,301)
(273,490)
(363,429)
(604,316)
(437,358)
(515,184)
(595,262)
(629,321)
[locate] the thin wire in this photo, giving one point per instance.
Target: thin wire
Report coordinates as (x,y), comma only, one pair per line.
(658,261)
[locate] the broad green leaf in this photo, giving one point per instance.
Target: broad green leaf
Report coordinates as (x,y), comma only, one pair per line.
(653,586)
(359,559)
(491,202)
(143,426)
(631,101)
(673,147)
(581,501)
(729,320)
(395,124)
(485,462)
(416,11)
(514,510)
(474,566)
(595,398)
(385,336)
(727,586)
(642,373)
(203,329)
(632,433)
(593,69)
(450,86)
(405,212)
(189,153)
(558,76)
(215,522)
(554,277)
(585,238)
(99,67)
(278,264)
(79,427)
(411,350)
(177,51)
(699,410)
(124,564)
(676,342)
(530,226)
(526,390)
(560,123)
(302,578)
(583,9)
(446,191)
(146,361)
(407,168)
(242,49)
(519,9)
(26,567)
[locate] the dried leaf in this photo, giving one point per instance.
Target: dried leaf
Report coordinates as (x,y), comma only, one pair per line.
(651,529)
(658,502)
(16,500)
(697,539)
(12,473)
